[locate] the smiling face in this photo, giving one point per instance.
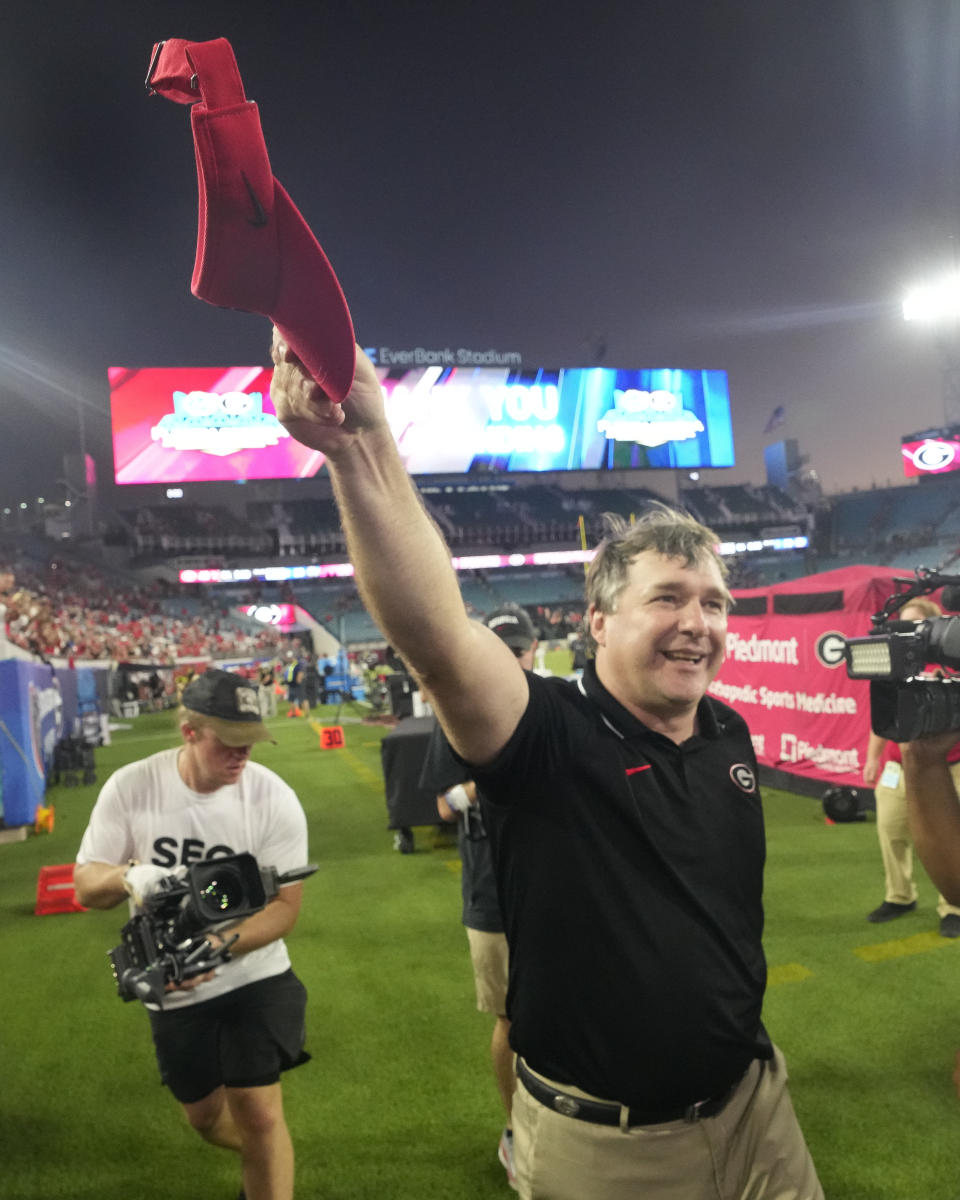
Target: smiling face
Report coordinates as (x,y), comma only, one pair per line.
(664,642)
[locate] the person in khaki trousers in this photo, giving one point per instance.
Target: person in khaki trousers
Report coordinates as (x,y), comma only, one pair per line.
(626,827)
(884,772)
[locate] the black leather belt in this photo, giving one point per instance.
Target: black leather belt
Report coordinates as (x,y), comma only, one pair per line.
(601,1113)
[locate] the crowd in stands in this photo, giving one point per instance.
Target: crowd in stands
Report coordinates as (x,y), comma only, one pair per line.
(76,612)
(81,613)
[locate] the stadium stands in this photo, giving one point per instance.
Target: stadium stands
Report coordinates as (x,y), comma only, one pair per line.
(115,604)
(893,526)
(174,529)
(68,610)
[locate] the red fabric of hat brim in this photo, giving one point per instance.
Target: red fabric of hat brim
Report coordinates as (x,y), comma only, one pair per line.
(255,251)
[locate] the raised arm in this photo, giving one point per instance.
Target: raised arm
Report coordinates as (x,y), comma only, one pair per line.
(402,565)
(933,811)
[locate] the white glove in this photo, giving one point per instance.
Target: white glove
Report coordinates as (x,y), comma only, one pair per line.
(457,798)
(143,880)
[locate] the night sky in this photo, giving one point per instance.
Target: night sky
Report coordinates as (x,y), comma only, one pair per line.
(739,185)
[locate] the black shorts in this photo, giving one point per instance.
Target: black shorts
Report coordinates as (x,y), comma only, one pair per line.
(244,1038)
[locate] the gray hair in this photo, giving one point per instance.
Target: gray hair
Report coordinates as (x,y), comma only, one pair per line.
(665,530)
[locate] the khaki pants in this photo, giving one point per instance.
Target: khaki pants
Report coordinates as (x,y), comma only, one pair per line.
(893,833)
(753,1150)
(490,958)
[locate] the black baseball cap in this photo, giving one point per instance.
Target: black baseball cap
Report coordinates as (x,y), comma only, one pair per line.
(512,625)
(231,705)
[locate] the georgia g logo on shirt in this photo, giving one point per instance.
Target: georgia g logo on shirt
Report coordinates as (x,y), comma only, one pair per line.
(744,778)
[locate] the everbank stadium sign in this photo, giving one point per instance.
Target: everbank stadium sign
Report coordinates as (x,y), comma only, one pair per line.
(446,356)
(784,671)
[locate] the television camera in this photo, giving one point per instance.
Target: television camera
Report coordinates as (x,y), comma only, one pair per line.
(166,942)
(911,666)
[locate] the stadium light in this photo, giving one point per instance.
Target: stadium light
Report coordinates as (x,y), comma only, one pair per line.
(934,302)
(936,305)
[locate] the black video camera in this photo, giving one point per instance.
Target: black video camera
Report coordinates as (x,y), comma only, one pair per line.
(165,943)
(912,690)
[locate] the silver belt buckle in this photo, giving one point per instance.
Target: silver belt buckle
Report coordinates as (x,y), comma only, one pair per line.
(565,1104)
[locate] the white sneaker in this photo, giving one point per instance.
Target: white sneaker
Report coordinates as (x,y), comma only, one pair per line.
(505,1154)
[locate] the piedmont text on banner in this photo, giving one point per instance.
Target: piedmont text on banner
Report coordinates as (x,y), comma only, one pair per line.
(785,673)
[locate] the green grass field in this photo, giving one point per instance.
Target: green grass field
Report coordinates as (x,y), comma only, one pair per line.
(399,1101)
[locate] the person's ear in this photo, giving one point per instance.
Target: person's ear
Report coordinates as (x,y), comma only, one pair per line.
(597,623)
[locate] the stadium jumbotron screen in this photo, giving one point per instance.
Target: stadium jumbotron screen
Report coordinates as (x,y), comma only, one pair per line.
(933,454)
(204,424)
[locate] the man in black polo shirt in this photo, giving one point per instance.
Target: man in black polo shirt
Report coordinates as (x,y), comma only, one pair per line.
(629,839)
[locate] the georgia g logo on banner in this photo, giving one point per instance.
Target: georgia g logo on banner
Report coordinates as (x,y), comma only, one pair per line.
(830,648)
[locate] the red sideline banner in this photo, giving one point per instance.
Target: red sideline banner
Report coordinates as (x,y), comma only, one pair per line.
(785,673)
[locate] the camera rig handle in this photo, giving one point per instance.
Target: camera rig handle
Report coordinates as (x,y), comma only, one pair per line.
(925,581)
(273,881)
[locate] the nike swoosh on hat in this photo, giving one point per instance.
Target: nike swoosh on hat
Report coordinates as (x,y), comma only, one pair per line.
(255,251)
(259,217)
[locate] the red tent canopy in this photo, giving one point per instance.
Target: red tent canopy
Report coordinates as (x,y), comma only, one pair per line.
(785,673)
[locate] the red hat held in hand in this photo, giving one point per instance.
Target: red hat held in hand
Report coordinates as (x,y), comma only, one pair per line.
(255,251)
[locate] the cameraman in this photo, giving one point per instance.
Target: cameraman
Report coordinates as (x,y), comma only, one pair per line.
(883,771)
(221,1039)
